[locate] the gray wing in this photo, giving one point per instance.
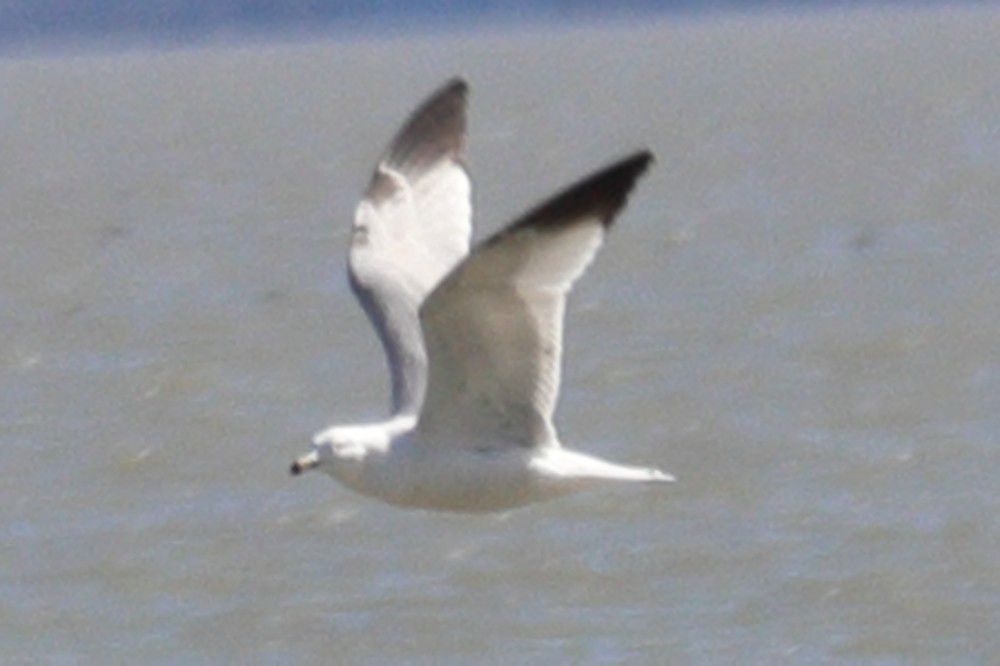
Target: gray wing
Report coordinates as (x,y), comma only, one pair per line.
(410,229)
(494,325)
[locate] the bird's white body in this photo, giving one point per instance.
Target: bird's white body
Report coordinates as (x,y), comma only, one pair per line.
(473,339)
(389,462)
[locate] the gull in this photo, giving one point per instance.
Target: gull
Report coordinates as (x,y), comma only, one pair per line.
(473,339)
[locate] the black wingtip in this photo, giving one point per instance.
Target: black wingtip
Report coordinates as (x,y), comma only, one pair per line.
(622,176)
(602,194)
(434,130)
(456,85)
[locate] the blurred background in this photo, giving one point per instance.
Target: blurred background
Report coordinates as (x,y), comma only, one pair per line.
(797,316)
(60,24)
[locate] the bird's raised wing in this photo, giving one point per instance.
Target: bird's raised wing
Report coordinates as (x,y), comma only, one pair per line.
(410,229)
(494,326)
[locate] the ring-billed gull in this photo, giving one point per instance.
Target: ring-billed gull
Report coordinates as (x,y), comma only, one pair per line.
(473,340)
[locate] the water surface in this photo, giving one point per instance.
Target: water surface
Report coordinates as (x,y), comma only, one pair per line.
(797,316)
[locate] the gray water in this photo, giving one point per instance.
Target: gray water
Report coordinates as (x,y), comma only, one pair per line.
(798,315)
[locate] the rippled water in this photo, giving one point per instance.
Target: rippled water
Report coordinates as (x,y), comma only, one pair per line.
(798,316)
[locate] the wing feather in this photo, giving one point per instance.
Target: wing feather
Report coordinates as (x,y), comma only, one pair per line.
(494,326)
(410,229)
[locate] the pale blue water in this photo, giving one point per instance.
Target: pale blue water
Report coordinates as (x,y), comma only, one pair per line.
(797,316)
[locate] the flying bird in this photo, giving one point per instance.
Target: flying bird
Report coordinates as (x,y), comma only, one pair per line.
(473,339)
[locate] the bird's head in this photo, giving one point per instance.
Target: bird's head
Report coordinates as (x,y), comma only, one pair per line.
(334,451)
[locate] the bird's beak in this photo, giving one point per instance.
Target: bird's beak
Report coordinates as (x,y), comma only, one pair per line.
(305,463)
